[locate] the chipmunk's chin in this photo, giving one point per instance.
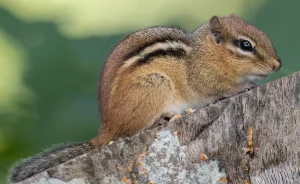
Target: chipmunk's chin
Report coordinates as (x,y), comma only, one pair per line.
(256,77)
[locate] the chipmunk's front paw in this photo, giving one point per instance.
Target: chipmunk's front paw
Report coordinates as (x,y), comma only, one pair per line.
(248,86)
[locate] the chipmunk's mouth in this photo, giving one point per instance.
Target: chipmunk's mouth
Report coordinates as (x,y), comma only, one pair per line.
(261,76)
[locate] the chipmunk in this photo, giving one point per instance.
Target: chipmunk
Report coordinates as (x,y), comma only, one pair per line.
(165,69)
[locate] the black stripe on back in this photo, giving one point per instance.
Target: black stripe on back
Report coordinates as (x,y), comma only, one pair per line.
(141,48)
(174,52)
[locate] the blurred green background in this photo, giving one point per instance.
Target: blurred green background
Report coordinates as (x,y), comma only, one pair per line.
(51,54)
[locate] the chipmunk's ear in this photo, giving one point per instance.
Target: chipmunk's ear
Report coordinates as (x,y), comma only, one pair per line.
(215,27)
(234,15)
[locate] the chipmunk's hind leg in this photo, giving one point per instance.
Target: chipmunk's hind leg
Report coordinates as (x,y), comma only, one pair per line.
(142,102)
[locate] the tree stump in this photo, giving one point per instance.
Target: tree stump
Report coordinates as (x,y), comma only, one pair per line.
(249,138)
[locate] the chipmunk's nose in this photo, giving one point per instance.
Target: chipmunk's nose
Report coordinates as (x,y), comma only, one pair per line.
(277,65)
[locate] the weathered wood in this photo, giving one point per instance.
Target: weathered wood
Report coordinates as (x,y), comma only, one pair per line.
(220,131)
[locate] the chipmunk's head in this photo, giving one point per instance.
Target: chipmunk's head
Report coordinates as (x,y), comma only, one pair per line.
(245,49)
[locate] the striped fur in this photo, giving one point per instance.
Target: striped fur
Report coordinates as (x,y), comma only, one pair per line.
(168,48)
(129,49)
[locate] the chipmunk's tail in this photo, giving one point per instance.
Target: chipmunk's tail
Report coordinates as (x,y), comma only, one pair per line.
(47,159)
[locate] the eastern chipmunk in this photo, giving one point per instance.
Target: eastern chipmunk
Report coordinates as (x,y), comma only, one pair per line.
(164,69)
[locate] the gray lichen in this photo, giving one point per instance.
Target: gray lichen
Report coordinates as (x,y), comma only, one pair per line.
(168,162)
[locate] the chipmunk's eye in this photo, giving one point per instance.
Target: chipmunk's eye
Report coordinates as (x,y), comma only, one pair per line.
(245,45)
